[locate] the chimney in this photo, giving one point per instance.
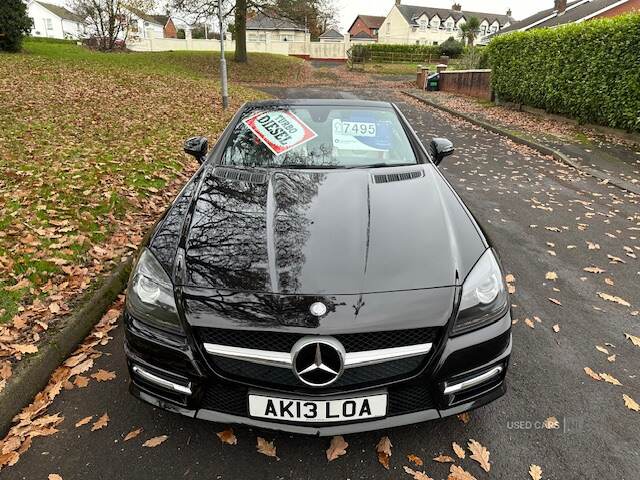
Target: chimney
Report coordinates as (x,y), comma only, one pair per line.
(560,6)
(398,2)
(509,12)
(456,7)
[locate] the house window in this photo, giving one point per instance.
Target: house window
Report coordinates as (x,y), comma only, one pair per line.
(435,43)
(374,31)
(283,38)
(49,23)
(435,23)
(423,25)
(449,25)
(388,28)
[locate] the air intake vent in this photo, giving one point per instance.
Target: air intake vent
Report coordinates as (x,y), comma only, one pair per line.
(240,175)
(397,177)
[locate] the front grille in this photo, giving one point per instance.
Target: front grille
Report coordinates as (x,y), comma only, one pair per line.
(409,399)
(284,341)
(284,377)
(232,399)
(226,398)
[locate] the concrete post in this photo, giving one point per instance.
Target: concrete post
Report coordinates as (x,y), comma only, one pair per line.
(188,38)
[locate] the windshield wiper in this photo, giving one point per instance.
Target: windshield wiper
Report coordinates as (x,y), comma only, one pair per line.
(382,165)
(307,167)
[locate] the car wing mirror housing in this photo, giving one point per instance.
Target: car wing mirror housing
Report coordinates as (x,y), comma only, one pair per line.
(197,147)
(441,147)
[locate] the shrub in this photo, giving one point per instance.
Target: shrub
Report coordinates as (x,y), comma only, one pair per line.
(451,48)
(14,24)
(590,70)
(398,53)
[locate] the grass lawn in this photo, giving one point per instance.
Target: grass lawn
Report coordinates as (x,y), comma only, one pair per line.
(91,153)
(395,68)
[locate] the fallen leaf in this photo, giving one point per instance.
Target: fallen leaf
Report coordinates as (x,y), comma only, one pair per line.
(100,423)
(611,358)
(510,278)
(551,423)
(54,308)
(610,379)
(593,246)
(443,459)
(553,300)
(459,450)
(337,448)
(635,340)
(529,323)
(417,475)
(592,374)
(458,473)
(464,417)
(84,421)
(103,375)
(613,298)
(415,460)
(480,454)
(81,381)
(551,276)
(630,403)
(594,270)
(54,476)
(155,441)
(556,328)
(602,349)
(132,434)
(25,348)
(609,281)
(266,448)
(227,436)
(384,451)
(535,472)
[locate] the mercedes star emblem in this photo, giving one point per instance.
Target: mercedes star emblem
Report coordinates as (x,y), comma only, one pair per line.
(318,361)
(318,309)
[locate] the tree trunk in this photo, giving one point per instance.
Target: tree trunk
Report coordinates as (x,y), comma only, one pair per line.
(241,31)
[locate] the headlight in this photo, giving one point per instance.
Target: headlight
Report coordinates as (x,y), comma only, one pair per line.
(150,294)
(484,297)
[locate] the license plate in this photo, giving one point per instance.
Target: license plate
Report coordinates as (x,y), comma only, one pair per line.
(318,411)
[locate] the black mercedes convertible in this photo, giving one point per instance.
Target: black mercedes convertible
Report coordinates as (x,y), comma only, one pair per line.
(318,275)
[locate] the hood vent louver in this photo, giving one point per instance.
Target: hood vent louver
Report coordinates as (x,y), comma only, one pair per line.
(397,177)
(236,175)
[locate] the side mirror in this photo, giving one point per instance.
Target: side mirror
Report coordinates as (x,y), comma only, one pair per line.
(197,147)
(441,147)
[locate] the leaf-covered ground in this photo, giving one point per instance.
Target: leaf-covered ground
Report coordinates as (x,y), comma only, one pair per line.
(90,155)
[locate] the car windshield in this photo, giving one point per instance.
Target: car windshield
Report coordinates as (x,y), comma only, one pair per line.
(319,137)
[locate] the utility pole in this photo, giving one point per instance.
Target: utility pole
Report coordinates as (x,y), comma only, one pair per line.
(223,61)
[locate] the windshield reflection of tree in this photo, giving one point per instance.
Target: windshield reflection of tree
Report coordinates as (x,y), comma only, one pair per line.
(227,248)
(247,150)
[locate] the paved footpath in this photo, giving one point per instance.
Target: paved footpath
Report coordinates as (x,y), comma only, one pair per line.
(541,215)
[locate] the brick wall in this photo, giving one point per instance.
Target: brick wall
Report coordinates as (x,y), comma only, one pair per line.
(630,6)
(360,26)
(170,30)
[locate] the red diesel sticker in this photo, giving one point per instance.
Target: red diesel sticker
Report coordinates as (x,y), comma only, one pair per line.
(280,130)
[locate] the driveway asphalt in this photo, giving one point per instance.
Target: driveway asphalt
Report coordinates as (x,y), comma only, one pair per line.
(541,215)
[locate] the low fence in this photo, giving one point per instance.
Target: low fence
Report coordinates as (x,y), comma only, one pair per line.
(475,83)
(305,49)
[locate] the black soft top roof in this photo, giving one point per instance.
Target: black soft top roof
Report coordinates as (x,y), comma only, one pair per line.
(337,102)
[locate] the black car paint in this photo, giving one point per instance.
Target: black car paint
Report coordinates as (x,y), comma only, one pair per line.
(211,211)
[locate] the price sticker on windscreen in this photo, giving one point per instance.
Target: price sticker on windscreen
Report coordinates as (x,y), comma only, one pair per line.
(361,135)
(281,131)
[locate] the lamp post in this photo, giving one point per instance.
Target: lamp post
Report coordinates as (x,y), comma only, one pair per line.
(223,61)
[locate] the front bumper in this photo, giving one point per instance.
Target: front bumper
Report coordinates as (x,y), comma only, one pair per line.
(471,368)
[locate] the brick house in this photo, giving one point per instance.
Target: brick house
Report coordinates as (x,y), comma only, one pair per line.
(368,24)
(141,23)
(577,11)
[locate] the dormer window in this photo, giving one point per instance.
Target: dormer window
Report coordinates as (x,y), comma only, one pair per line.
(423,24)
(449,25)
(435,23)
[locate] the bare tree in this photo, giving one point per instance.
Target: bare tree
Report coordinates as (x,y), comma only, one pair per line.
(109,20)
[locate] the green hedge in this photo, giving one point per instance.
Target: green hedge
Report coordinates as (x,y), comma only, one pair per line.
(398,53)
(589,71)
